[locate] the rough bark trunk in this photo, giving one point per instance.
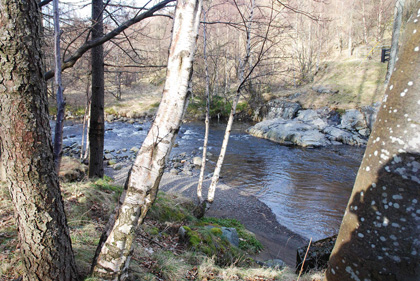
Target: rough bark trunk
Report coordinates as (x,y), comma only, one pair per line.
(147,170)
(97,120)
(26,147)
(399,6)
(379,235)
(59,121)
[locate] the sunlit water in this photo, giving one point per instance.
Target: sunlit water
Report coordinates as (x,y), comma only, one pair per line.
(307,189)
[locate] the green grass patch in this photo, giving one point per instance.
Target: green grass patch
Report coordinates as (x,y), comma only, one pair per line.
(247,240)
(111,110)
(155,105)
(52,110)
(171,208)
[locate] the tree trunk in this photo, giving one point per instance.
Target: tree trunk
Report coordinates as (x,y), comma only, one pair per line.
(97,120)
(59,122)
(350,41)
(379,235)
(399,6)
(206,133)
(217,169)
(26,147)
(379,33)
(365,29)
(147,170)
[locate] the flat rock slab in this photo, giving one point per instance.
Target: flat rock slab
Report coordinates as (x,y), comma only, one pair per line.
(289,132)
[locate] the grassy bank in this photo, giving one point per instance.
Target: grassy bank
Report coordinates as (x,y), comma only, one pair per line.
(159,254)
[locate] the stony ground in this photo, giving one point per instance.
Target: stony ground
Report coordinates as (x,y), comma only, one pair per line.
(278,241)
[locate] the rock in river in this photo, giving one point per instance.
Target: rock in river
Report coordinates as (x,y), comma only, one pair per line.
(289,132)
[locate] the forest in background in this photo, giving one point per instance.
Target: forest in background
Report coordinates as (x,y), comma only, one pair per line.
(307,40)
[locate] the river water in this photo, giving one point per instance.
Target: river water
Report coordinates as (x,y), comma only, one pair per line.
(307,189)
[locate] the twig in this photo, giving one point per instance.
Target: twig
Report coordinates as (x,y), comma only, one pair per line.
(307,250)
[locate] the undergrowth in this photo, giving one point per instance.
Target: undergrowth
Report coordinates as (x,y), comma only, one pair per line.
(158,252)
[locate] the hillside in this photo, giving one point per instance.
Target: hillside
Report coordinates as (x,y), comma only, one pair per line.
(341,84)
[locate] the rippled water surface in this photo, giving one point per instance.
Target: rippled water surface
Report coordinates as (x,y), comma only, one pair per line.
(307,189)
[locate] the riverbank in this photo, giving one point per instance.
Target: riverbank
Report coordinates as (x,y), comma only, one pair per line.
(279,242)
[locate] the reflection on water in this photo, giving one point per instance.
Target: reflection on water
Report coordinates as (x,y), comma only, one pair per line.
(307,189)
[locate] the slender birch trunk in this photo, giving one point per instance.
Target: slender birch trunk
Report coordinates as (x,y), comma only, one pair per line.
(143,182)
(350,41)
(206,133)
(365,32)
(217,169)
(86,120)
(59,122)
(399,6)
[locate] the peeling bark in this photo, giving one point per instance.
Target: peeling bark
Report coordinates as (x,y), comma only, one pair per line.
(379,235)
(26,147)
(147,170)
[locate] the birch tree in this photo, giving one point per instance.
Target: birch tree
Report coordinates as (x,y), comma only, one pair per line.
(207,121)
(142,184)
(26,147)
(242,65)
(205,205)
(379,237)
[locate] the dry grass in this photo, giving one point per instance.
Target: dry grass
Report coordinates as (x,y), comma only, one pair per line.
(138,100)
(359,82)
(209,271)
(158,253)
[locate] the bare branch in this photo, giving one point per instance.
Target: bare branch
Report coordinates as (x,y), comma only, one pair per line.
(43,3)
(295,10)
(135,65)
(93,43)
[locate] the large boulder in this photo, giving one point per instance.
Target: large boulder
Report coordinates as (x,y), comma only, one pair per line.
(291,132)
(280,108)
(353,119)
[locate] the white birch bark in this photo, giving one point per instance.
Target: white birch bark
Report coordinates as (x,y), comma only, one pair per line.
(147,170)
(217,169)
(206,133)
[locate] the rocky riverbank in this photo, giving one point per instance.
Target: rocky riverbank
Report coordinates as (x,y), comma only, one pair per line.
(288,123)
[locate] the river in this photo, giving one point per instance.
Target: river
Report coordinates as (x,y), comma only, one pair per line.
(307,189)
